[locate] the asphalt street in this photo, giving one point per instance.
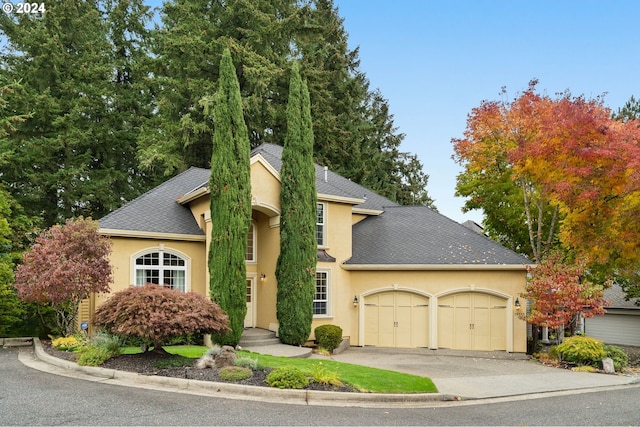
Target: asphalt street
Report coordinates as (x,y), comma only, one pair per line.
(32,397)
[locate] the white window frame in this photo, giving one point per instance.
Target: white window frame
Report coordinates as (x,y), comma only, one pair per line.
(161,251)
(322,225)
(327,299)
(252,230)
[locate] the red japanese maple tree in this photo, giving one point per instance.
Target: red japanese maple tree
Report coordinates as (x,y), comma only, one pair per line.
(155,314)
(558,293)
(66,264)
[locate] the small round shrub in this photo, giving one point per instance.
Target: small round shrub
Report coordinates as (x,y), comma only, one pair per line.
(328,337)
(287,377)
(619,357)
(248,362)
(234,373)
(581,350)
(93,356)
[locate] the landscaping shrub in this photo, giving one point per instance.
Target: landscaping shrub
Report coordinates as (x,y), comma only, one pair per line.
(248,362)
(619,357)
(322,375)
(93,356)
(69,343)
(287,377)
(581,350)
(328,337)
(111,342)
(234,373)
(98,349)
(213,351)
(157,314)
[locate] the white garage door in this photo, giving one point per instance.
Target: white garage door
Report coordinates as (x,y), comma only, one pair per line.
(622,329)
(472,321)
(396,319)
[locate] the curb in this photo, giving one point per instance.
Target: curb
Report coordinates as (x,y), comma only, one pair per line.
(235,391)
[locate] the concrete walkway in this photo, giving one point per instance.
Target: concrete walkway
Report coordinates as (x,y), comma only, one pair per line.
(458,376)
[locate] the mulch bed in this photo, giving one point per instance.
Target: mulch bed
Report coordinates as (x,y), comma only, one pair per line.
(147,364)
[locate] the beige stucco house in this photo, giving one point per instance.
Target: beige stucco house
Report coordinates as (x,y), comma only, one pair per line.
(388,275)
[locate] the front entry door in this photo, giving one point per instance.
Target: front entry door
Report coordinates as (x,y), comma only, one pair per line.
(249,319)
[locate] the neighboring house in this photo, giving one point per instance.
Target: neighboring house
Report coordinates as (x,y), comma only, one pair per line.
(388,275)
(621,324)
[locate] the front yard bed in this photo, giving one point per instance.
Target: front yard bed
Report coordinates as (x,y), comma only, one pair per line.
(179,361)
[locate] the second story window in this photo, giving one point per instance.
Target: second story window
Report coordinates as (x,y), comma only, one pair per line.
(320,224)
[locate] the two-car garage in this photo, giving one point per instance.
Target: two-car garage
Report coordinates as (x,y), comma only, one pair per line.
(461,321)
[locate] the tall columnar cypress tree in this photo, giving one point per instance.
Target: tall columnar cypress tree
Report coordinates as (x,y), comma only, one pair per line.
(295,270)
(230,187)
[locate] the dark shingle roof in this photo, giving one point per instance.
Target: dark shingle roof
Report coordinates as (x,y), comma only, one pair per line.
(420,235)
(616,296)
(157,210)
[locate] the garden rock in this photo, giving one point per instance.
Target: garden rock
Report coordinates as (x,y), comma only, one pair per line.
(226,357)
(607,366)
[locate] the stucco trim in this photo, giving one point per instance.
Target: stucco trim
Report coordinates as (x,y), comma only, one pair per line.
(191,196)
(340,199)
(434,267)
(258,158)
(373,212)
(151,235)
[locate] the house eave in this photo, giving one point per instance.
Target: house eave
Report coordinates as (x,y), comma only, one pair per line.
(340,199)
(189,197)
(434,267)
(372,212)
(151,235)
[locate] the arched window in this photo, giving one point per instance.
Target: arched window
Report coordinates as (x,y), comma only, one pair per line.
(162,268)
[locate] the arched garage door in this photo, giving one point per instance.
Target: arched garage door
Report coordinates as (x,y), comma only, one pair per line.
(396,319)
(472,321)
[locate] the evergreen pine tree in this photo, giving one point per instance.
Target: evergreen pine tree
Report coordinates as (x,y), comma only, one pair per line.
(295,269)
(230,187)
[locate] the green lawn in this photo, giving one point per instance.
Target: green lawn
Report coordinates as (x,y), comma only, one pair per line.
(361,377)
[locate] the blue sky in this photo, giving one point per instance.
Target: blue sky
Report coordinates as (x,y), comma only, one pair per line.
(435,60)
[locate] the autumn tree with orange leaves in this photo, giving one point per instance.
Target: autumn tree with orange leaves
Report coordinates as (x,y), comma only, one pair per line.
(556,173)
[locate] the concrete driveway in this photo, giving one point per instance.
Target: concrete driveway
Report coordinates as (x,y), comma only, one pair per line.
(478,375)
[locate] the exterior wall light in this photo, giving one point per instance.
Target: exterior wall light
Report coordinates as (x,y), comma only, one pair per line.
(355,301)
(263,277)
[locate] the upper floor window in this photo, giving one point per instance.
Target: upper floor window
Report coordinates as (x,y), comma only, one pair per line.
(320,224)
(321,296)
(162,268)
(250,256)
